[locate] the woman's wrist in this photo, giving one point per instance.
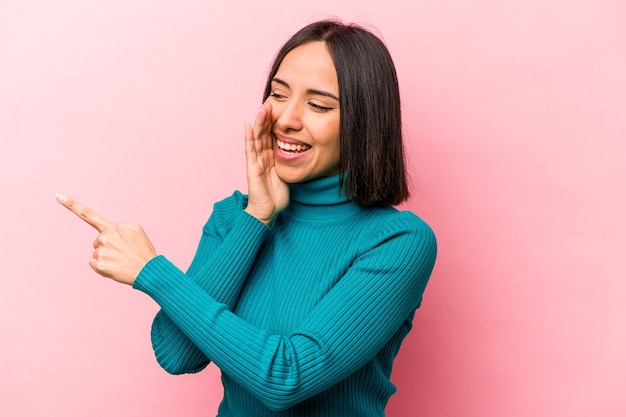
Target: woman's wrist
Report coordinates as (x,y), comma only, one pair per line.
(266,220)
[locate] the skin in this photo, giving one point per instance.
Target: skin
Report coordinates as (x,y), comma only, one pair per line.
(120,250)
(303,110)
(305,101)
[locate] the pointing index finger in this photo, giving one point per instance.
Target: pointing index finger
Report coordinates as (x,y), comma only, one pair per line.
(89,216)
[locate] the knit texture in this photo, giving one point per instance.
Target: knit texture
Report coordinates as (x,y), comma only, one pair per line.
(303,318)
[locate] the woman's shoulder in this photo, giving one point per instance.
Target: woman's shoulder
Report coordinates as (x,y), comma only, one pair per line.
(388,227)
(405,228)
(392,220)
(234,202)
(226,210)
(399,239)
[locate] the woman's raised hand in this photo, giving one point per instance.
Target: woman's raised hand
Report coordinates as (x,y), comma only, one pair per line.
(268,195)
(120,250)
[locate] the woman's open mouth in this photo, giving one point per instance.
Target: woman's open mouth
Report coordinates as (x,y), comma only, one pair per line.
(291,148)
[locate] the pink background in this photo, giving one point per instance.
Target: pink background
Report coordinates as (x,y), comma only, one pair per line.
(515,118)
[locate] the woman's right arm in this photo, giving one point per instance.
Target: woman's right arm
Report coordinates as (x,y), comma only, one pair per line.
(230,241)
(229,244)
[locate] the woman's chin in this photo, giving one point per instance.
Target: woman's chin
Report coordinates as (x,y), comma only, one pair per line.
(290,175)
(293,175)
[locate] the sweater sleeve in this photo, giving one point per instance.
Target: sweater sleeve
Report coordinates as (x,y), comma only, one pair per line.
(230,240)
(355,319)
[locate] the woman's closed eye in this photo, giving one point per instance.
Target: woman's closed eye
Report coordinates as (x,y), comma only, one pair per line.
(277,95)
(318,107)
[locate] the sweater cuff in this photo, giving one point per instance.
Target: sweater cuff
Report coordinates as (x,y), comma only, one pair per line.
(155,267)
(248,228)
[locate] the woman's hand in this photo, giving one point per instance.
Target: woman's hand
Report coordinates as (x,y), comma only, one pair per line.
(268,195)
(120,250)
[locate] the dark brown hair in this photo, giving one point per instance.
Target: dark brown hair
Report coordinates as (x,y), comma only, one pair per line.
(370,131)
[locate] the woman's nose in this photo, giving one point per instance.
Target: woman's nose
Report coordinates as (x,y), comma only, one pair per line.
(288,116)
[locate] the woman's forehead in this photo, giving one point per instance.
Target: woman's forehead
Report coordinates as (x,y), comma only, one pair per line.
(309,66)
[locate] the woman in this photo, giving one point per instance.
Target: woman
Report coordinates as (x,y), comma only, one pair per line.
(302,291)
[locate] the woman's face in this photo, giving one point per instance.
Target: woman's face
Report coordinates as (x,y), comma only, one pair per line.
(305,114)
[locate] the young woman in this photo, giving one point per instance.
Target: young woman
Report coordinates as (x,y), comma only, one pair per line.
(301,291)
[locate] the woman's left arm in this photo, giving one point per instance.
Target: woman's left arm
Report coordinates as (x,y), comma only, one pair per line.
(345,330)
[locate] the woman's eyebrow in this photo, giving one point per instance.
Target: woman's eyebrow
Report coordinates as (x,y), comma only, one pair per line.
(309,91)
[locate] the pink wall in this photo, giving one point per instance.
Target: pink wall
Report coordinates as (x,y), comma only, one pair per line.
(516,127)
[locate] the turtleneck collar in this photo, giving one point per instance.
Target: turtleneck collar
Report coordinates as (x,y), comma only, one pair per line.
(320,199)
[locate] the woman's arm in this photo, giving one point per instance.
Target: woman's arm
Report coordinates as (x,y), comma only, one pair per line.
(220,269)
(230,241)
(344,331)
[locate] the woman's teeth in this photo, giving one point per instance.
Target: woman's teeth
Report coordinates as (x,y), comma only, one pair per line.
(291,147)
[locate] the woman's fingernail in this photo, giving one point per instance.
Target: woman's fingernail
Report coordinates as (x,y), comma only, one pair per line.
(60,197)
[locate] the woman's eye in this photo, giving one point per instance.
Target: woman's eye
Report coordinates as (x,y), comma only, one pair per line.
(276,95)
(319,108)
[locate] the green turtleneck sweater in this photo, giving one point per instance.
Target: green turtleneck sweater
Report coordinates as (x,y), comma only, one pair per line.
(303,318)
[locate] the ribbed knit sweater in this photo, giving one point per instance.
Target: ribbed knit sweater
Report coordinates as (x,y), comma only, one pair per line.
(303,318)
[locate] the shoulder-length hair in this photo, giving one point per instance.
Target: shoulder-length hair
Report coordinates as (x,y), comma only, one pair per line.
(370,127)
